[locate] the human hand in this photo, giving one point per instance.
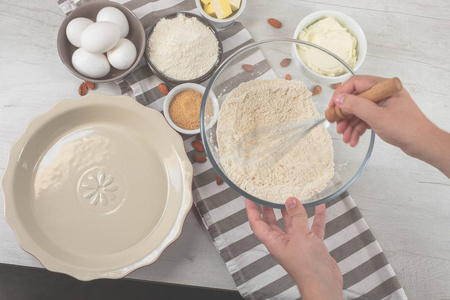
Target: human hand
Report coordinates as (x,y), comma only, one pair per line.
(396,119)
(299,250)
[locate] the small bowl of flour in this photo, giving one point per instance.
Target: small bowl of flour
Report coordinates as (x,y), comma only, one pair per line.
(183,47)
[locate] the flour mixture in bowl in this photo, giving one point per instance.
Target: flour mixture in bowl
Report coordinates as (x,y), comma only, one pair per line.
(302,171)
(183,47)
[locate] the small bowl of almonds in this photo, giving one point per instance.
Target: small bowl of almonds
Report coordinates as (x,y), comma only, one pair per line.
(182,108)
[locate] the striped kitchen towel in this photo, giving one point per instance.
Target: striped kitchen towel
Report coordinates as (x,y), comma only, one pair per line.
(367,273)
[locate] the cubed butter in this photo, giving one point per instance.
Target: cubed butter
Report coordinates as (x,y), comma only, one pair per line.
(206,2)
(222,8)
(209,10)
(235,4)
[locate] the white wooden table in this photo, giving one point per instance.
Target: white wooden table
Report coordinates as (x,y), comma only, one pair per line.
(405,202)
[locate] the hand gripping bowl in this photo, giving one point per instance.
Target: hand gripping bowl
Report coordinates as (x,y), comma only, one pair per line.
(266,56)
(97,187)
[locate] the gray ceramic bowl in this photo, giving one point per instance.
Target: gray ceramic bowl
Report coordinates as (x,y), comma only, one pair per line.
(173,81)
(89,10)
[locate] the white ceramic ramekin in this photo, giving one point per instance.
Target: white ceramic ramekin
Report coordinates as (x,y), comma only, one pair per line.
(345,21)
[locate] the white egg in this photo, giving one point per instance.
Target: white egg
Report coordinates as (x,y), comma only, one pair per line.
(100,37)
(114,15)
(75,28)
(90,64)
(123,55)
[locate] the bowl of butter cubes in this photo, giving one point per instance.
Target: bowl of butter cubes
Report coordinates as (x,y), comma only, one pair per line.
(221,13)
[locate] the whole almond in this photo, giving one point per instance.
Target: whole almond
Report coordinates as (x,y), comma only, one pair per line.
(219,180)
(82,90)
(285,62)
(316,90)
(274,23)
(90,85)
(163,88)
(288,77)
(200,158)
(248,68)
(197,146)
(198,137)
(336,85)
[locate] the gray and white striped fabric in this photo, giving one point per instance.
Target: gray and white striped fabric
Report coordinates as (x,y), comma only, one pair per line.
(367,273)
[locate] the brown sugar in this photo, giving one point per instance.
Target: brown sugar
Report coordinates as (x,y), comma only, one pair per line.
(184,109)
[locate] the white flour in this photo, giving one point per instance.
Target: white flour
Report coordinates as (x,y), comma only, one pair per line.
(304,170)
(183,48)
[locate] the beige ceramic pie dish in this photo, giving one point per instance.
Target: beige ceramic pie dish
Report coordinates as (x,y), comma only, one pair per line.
(97,187)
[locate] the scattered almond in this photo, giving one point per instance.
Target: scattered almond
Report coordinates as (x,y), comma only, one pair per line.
(82,90)
(219,180)
(336,85)
(285,62)
(163,88)
(274,23)
(197,146)
(288,77)
(198,137)
(90,85)
(316,90)
(248,68)
(200,158)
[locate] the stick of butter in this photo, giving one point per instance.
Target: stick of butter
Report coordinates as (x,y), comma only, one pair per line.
(222,8)
(206,2)
(209,10)
(235,4)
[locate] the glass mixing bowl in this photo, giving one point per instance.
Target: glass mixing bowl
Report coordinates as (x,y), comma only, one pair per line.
(265,56)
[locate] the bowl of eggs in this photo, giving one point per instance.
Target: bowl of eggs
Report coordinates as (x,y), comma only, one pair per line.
(101,41)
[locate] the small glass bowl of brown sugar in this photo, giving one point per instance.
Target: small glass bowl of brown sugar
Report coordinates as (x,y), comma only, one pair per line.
(182,108)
